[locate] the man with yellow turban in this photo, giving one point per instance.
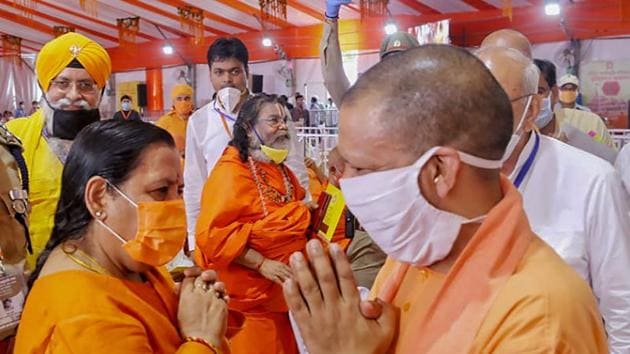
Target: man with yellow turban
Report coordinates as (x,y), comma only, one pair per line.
(176,120)
(72,71)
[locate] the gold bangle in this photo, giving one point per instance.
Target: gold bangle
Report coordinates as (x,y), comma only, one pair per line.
(204,342)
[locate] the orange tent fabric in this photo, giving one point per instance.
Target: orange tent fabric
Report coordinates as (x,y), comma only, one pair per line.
(231,219)
(507,292)
(79,311)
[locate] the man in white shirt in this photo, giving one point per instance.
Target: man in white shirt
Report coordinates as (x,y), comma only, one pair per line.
(574,200)
(210,128)
(622,164)
(550,125)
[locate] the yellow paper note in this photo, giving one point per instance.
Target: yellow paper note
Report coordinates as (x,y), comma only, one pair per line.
(333,213)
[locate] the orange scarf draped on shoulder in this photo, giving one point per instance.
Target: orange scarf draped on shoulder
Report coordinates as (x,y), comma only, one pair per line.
(472,284)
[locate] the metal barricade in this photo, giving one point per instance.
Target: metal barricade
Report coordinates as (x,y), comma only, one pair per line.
(317,142)
(323,117)
(620,137)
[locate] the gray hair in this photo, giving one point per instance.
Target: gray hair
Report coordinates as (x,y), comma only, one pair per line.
(531,74)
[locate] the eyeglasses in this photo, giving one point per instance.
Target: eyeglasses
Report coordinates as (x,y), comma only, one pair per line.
(85,87)
(275,121)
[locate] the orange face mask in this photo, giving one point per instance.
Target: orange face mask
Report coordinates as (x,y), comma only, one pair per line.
(183,108)
(161,231)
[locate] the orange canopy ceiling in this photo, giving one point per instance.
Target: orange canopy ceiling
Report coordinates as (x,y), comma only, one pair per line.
(299,34)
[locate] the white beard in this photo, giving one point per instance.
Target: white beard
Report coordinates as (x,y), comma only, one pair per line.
(258,155)
(60,147)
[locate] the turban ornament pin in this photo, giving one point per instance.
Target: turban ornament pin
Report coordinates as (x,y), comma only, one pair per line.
(75,50)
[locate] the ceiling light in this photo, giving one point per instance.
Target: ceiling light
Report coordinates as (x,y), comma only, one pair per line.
(266,42)
(552,8)
(391,28)
(167,49)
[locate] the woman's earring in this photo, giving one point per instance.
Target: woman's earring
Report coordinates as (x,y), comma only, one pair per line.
(99,214)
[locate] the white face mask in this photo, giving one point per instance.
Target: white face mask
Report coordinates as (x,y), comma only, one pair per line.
(393,211)
(545,114)
(228,98)
(516,136)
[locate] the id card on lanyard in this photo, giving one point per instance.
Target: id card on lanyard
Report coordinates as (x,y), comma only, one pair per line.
(12,295)
(522,173)
(224,119)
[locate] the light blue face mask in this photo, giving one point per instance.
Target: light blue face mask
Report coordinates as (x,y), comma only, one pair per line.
(546,113)
(126,106)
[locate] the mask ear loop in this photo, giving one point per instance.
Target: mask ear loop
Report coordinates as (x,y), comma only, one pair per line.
(121,193)
(522,121)
(258,136)
(112,231)
(120,238)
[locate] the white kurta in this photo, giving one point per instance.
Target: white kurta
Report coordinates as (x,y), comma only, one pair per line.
(206,139)
(623,166)
(576,203)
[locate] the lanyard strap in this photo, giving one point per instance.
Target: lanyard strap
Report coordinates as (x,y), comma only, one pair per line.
(223,119)
(528,163)
(126,116)
(225,126)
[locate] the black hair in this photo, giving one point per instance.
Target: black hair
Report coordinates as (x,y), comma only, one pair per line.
(225,48)
(34,102)
(21,102)
(247,118)
(298,96)
(111,149)
(548,71)
(75,63)
(125,97)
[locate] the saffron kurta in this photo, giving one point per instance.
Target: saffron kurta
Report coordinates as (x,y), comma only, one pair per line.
(539,305)
(176,126)
(77,311)
(231,219)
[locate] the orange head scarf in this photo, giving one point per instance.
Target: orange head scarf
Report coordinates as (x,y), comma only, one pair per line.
(180,90)
(182,108)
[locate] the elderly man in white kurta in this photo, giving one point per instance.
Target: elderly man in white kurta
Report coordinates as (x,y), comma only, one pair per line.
(574,200)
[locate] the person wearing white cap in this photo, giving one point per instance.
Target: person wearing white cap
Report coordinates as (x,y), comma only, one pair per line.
(548,125)
(574,201)
(577,115)
(569,85)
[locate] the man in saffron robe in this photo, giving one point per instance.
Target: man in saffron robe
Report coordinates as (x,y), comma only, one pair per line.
(252,218)
(175,121)
(465,270)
